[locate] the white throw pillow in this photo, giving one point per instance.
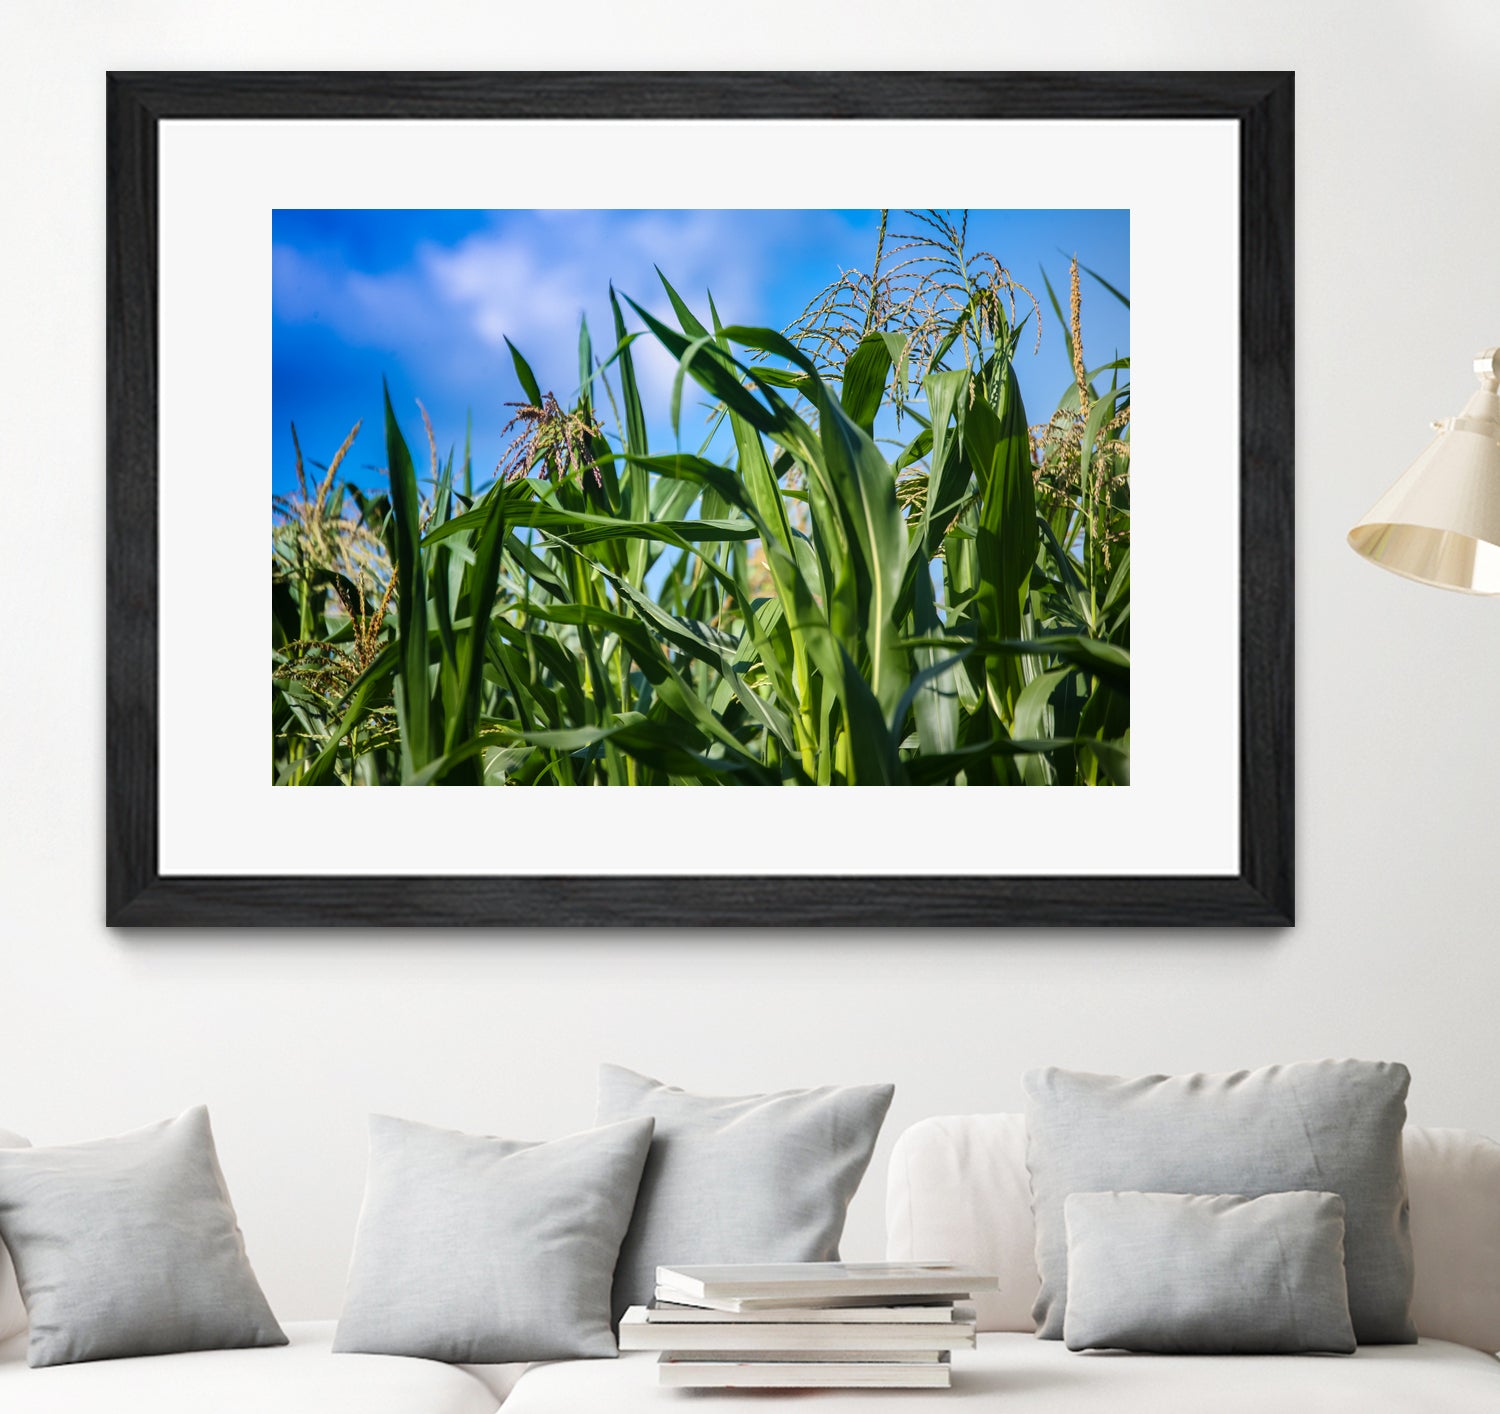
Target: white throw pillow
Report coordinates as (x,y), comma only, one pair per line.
(740,1178)
(476,1250)
(1331,1126)
(130,1246)
(959,1187)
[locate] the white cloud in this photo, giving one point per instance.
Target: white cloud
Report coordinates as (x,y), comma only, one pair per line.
(538,273)
(445,314)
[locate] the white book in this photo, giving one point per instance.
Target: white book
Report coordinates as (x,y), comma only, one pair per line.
(938,1313)
(717,1374)
(801,1281)
(668,1295)
(637,1333)
(808,1357)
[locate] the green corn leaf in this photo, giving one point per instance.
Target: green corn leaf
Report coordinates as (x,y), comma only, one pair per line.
(710,368)
(671,499)
(937,770)
(482,586)
(590,528)
(782,377)
(950,337)
(999,446)
(873,758)
(468,494)
(1107,661)
(672,691)
(1031,720)
(585,365)
(637,483)
(1094,274)
(951,477)
(529,385)
(913,452)
(445,579)
(865,376)
(1112,757)
(692,326)
(935,686)
(373,687)
(413,692)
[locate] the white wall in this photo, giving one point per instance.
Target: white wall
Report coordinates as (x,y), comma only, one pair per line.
(292,1038)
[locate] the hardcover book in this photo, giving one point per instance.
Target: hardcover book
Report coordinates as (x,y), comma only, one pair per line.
(724,1374)
(937,1313)
(637,1333)
(803,1282)
(774,1306)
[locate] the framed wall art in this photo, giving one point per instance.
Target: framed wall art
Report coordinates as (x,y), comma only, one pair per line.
(756,451)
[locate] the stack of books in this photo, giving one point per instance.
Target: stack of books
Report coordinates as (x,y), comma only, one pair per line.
(867,1325)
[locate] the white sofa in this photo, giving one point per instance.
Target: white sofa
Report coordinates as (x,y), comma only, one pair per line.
(957,1188)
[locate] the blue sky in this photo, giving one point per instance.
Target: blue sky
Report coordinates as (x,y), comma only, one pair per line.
(426,299)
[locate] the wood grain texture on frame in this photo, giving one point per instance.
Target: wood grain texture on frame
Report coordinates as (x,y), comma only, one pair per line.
(1260,894)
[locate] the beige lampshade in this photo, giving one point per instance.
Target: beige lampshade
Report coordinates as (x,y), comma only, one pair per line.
(1440,523)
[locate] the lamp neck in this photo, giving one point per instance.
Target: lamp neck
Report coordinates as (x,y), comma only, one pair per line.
(1482,414)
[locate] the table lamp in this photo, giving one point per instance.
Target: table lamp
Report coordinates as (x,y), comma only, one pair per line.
(1440,523)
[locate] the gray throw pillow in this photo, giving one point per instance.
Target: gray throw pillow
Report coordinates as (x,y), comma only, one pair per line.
(129,1246)
(12,1308)
(1324,1126)
(1207,1274)
(487,1251)
(750,1178)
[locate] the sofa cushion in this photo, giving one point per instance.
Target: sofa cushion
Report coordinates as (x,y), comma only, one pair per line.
(12,1308)
(1453,1178)
(1331,1126)
(1018,1374)
(957,1189)
(744,1178)
(303,1377)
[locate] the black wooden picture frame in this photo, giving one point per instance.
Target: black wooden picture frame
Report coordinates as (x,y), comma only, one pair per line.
(1259,894)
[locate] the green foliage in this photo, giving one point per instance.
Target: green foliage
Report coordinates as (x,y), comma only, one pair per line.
(828,607)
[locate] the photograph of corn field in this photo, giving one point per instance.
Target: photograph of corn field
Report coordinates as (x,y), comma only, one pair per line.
(652,498)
